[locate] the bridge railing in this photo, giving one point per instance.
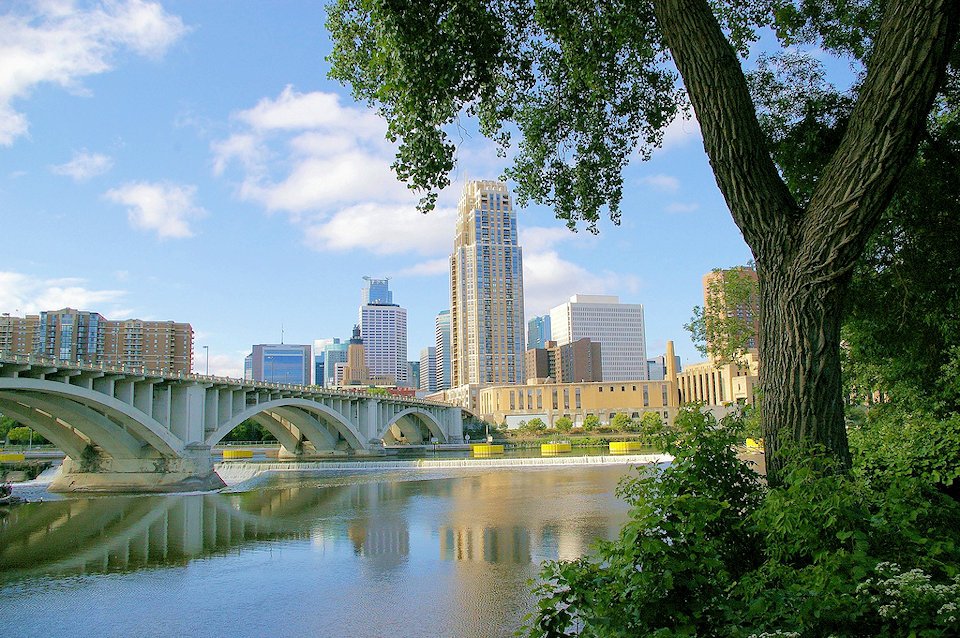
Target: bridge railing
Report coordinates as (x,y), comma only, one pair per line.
(169,375)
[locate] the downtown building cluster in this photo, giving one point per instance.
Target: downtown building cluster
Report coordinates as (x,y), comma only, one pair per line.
(585,356)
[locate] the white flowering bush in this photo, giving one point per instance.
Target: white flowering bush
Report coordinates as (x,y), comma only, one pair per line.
(911,603)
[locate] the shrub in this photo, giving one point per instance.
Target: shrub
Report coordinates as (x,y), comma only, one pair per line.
(563,424)
(709,550)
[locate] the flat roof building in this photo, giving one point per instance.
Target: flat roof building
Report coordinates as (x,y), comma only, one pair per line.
(617,327)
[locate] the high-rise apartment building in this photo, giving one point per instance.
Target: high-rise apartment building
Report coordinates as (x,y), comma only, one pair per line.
(618,327)
(155,345)
(444,355)
(486,289)
(538,332)
(280,363)
(76,335)
(748,311)
(383,325)
(428,369)
(70,335)
(17,333)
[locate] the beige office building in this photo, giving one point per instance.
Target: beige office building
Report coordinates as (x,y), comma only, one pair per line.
(486,289)
(605,399)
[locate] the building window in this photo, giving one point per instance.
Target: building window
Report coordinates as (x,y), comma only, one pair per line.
(554,398)
(646,397)
(576,395)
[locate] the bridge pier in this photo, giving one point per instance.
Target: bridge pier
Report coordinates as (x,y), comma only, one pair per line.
(191,472)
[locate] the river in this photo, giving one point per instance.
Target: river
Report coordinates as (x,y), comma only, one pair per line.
(391,553)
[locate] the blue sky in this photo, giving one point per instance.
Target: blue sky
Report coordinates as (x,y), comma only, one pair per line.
(191,161)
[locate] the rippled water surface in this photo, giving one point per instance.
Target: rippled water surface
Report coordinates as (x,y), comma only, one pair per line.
(387,554)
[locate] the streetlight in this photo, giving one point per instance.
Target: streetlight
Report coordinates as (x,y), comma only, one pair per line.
(207,349)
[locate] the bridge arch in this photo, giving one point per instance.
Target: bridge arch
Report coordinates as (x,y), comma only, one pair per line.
(112,433)
(346,429)
(423,416)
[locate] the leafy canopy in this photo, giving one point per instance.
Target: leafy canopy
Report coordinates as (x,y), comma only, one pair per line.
(588,85)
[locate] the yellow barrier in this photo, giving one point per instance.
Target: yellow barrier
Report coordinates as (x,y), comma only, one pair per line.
(483,449)
(238,454)
(555,448)
(625,447)
(12,457)
(755,445)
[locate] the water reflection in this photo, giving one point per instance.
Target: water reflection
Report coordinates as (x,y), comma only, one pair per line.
(467,544)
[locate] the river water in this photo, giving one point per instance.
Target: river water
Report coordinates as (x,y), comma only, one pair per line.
(391,553)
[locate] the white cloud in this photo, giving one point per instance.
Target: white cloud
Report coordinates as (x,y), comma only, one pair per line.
(430,268)
(58,43)
(662,182)
(680,132)
(84,166)
(293,111)
(549,280)
(682,207)
(308,155)
(25,294)
(221,365)
(385,230)
(535,239)
(326,165)
(165,208)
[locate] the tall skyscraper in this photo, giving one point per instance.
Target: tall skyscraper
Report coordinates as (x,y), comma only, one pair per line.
(376,291)
(618,327)
(383,325)
(444,355)
(428,369)
(486,288)
(538,332)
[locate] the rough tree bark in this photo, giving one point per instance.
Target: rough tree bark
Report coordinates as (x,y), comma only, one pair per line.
(805,256)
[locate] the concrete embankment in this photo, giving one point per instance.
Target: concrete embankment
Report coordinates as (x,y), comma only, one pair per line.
(237,472)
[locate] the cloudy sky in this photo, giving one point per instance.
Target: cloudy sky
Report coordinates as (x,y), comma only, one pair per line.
(191,161)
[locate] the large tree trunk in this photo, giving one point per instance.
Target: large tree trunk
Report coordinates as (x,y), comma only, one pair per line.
(805,255)
(800,366)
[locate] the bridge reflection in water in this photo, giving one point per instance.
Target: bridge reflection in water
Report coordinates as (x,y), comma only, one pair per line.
(385,553)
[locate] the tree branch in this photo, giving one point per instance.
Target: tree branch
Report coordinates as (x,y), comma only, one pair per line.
(759,201)
(903,74)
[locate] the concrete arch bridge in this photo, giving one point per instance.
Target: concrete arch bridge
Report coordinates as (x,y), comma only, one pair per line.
(128,429)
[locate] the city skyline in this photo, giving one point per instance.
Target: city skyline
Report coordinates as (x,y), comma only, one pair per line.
(249,206)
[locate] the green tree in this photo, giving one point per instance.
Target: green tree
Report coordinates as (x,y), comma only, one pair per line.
(563,424)
(651,426)
(720,328)
(621,422)
(536,424)
(589,86)
(591,422)
(21,435)
(6,424)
